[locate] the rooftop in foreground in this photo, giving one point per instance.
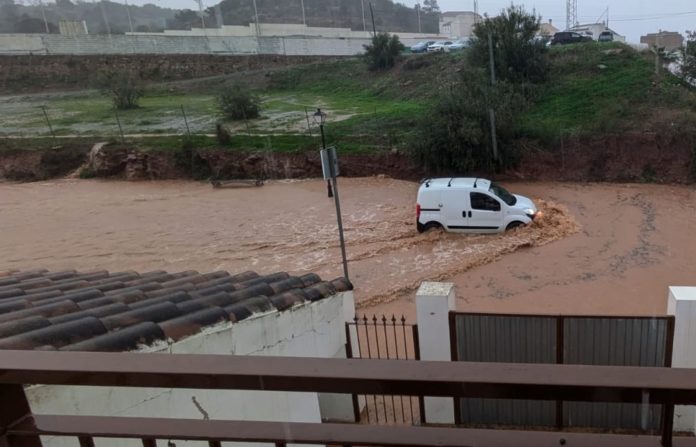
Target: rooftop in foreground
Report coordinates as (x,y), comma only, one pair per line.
(102,311)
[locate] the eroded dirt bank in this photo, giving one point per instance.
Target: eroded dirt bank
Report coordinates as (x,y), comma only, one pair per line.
(615,249)
(641,157)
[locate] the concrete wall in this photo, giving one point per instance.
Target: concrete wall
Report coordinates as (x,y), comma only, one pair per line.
(281,30)
(310,330)
(189,44)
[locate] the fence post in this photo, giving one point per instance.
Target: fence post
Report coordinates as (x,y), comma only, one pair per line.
(120,129)
(188,130)
(681,303)
(15,407)
(434,301)
(48,121)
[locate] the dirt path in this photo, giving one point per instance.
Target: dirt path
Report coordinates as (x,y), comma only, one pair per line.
(633,242)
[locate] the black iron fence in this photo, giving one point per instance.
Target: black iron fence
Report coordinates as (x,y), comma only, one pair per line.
(391,339)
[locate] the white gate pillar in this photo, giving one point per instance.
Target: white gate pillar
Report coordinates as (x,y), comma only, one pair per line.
(681,303)
(434,301)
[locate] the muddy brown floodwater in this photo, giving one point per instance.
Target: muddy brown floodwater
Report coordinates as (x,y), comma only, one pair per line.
(599,249)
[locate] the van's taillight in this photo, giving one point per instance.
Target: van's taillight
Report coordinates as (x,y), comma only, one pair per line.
(418,211)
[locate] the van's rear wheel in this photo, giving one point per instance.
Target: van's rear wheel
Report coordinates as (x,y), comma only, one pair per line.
(513,225)
(429,226)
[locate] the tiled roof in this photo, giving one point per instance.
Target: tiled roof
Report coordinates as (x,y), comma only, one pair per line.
(102,311)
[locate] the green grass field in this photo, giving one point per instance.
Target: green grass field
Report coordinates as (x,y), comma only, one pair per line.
(593,89)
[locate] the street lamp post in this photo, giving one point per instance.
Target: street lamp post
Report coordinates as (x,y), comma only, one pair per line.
(330,167)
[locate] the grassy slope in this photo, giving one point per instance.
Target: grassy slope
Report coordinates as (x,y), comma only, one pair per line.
(593,89)
(601,89)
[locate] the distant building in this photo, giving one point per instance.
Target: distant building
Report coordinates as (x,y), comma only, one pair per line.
(458,23)
(593,30)
(669,40)
(72,28)
(547,29)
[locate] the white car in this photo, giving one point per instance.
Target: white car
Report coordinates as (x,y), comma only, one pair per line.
(470,205)
(440,46)
(459,45)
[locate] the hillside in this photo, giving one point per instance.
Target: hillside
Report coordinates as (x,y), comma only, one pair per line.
(389,15)
(102,17)
(602,114)
(112,17)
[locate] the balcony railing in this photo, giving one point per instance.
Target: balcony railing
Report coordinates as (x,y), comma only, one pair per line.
(19,427)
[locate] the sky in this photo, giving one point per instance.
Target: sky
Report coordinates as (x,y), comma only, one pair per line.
(631,18)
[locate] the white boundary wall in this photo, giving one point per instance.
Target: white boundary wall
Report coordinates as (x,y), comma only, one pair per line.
(39,44)
(310,330)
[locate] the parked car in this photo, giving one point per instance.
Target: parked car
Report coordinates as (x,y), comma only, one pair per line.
(440,46)
(459,45)
(566,37)
(421,47)
(470,205)
(606,36)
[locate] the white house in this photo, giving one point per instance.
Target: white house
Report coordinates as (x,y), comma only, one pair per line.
(457,24)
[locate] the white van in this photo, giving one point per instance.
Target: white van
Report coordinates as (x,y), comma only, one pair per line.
(470,205)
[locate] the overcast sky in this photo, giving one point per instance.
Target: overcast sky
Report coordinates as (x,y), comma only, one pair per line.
(631,18)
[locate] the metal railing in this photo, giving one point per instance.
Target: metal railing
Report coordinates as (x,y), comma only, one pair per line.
(389,339)
(19,427)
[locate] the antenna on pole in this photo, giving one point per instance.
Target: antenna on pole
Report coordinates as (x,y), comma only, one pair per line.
(476,11)
(571,13)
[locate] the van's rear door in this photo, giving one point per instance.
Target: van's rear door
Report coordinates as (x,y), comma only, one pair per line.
(455,208)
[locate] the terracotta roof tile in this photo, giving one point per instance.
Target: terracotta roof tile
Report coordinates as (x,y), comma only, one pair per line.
(99,311)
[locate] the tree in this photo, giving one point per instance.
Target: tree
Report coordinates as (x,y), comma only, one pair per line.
(431,6)
(125,88)
(688,68)
(519,56)
(456,137)
(239,103)
(382,53)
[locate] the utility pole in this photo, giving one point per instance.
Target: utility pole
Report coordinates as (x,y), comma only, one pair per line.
(200,12)
(362,5)
(104,16)
(419,21)
(304,18)
(256,17)
(372,13)
(491,111)
(43,14)
(491,56)
(130,21)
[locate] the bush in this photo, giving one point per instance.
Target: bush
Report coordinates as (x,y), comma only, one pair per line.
(382,53)
(456,137)
(239,103)
(125,88)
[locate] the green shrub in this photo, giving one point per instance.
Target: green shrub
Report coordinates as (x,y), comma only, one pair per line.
(382,53)
(87,173)
(239,103)
(457,137)
(125,88)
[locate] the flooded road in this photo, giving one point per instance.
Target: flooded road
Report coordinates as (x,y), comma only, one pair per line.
(600,248)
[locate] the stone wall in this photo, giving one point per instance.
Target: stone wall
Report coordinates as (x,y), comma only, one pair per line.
(37,72)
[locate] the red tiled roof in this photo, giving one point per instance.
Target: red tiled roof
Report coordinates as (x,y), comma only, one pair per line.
(102,311)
